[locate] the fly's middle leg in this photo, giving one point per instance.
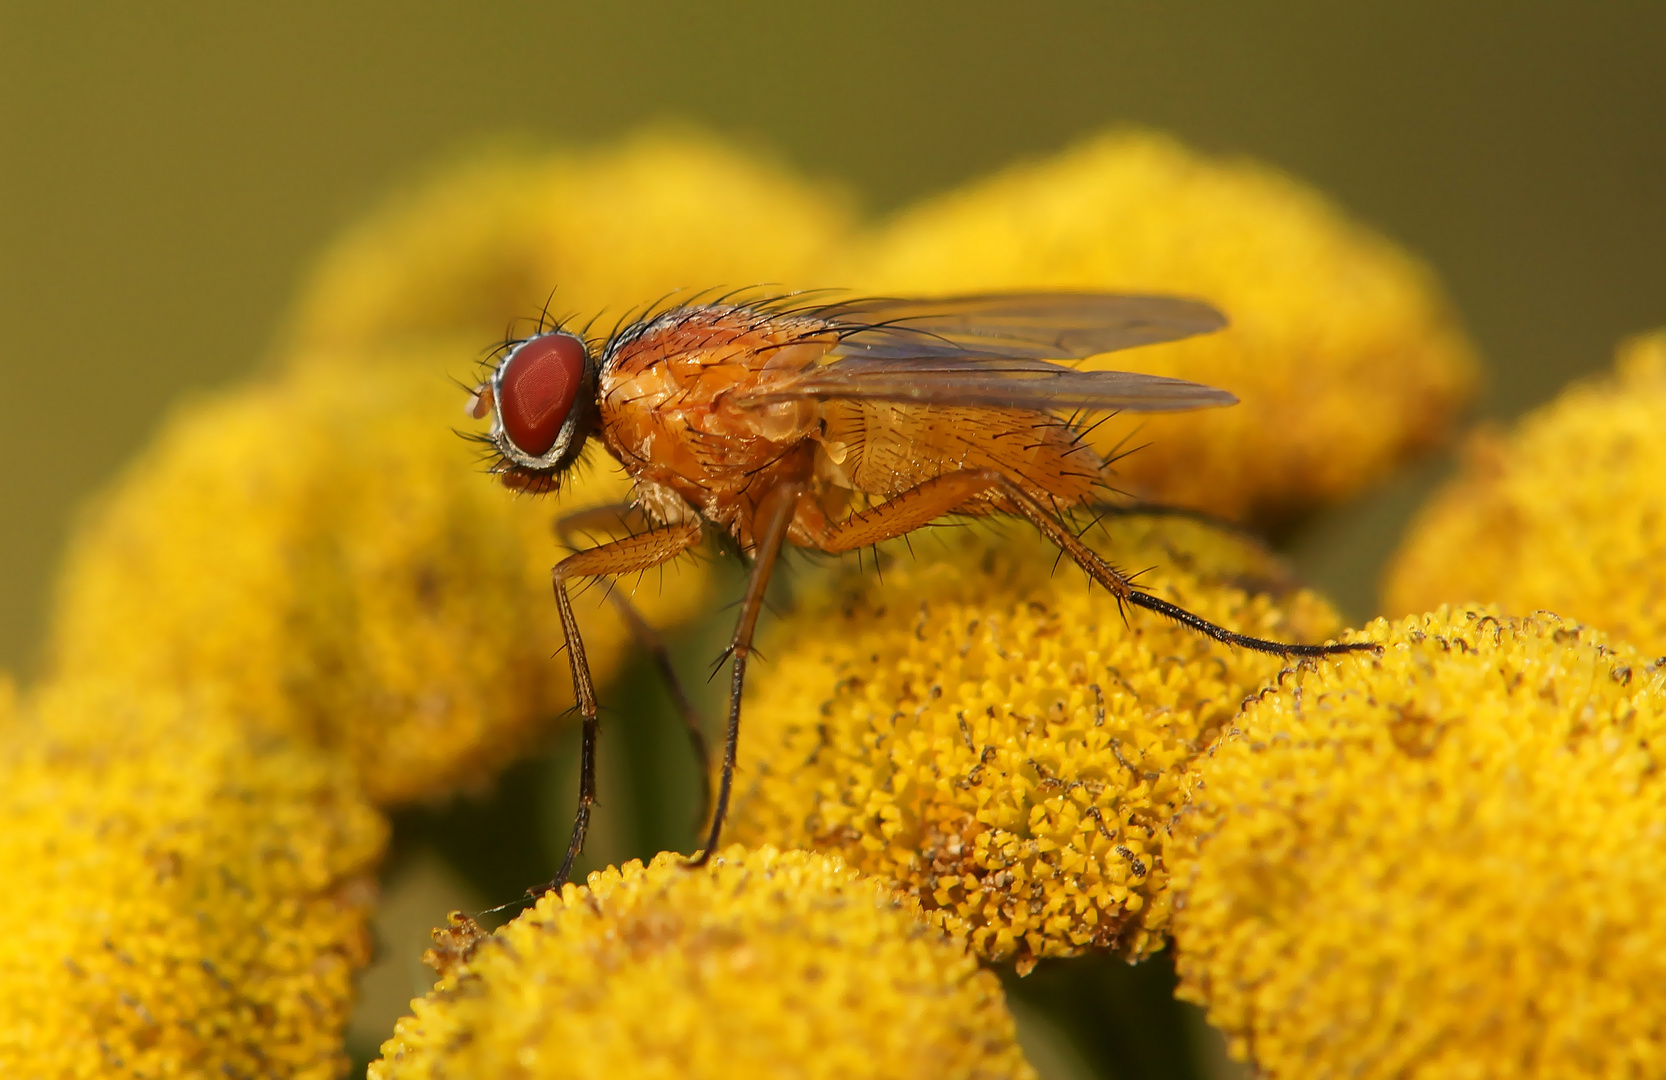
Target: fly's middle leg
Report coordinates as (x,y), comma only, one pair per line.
(775,514)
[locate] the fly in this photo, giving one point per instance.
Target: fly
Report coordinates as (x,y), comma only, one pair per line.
(832,426)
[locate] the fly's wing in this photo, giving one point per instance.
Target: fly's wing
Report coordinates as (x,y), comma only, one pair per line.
(992,350)
(1034,385)
(1034,326)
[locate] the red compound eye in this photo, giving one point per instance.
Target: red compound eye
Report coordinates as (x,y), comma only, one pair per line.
(540,380)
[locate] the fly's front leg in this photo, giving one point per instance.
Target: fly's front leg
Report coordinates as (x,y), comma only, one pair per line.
(627,555)
(945,494)
(616,517)
(775,513)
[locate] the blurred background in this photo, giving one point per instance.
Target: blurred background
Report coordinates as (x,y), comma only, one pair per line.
(166,174)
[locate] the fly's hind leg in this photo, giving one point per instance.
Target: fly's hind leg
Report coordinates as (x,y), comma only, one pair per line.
(1279,578)
(945,494)
(626,555)
(1142,508)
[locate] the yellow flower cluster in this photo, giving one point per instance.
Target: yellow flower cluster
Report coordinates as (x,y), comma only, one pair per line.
(993,738)
(609,230)
(1441,861)
(181,898)
(763,964)
(307,589)
(1346,358)
(328,552)
(1567,513)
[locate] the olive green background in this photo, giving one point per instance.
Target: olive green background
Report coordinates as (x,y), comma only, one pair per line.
(167,170)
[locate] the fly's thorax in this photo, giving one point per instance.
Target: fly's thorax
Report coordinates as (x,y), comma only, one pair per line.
(673,394)
(719,337)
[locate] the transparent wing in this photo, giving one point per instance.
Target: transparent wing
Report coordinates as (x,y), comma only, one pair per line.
(993,350)
(1035,326)
(1008,384)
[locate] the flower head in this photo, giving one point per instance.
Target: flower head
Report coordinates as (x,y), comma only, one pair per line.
(1439,861)
(998,740)
(1344,354)
(326,551)
(182,898)
(761,964)
(1566,513)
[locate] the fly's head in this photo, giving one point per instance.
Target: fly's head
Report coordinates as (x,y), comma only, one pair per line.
(541,397)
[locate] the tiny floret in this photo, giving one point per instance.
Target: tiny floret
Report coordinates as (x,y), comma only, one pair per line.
(1000,741)
(760,964)
(1438,861)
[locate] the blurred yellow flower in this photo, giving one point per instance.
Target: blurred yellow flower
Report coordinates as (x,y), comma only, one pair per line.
(1566,513)
(609,230)
(1344,353)
(1441,861)
(993,738)
(330,554)
(181,898)
(763,964)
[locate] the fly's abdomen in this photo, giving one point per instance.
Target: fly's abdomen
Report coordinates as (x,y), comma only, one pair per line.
(883,449)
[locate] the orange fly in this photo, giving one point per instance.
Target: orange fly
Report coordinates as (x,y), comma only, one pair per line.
(832,426)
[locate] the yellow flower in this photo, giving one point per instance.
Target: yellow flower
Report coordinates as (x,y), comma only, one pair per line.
(763,964)
(1441,861)
(993,738)
(1566,513)
(181,898)
(331,555)
(1344,353)
(609,230)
